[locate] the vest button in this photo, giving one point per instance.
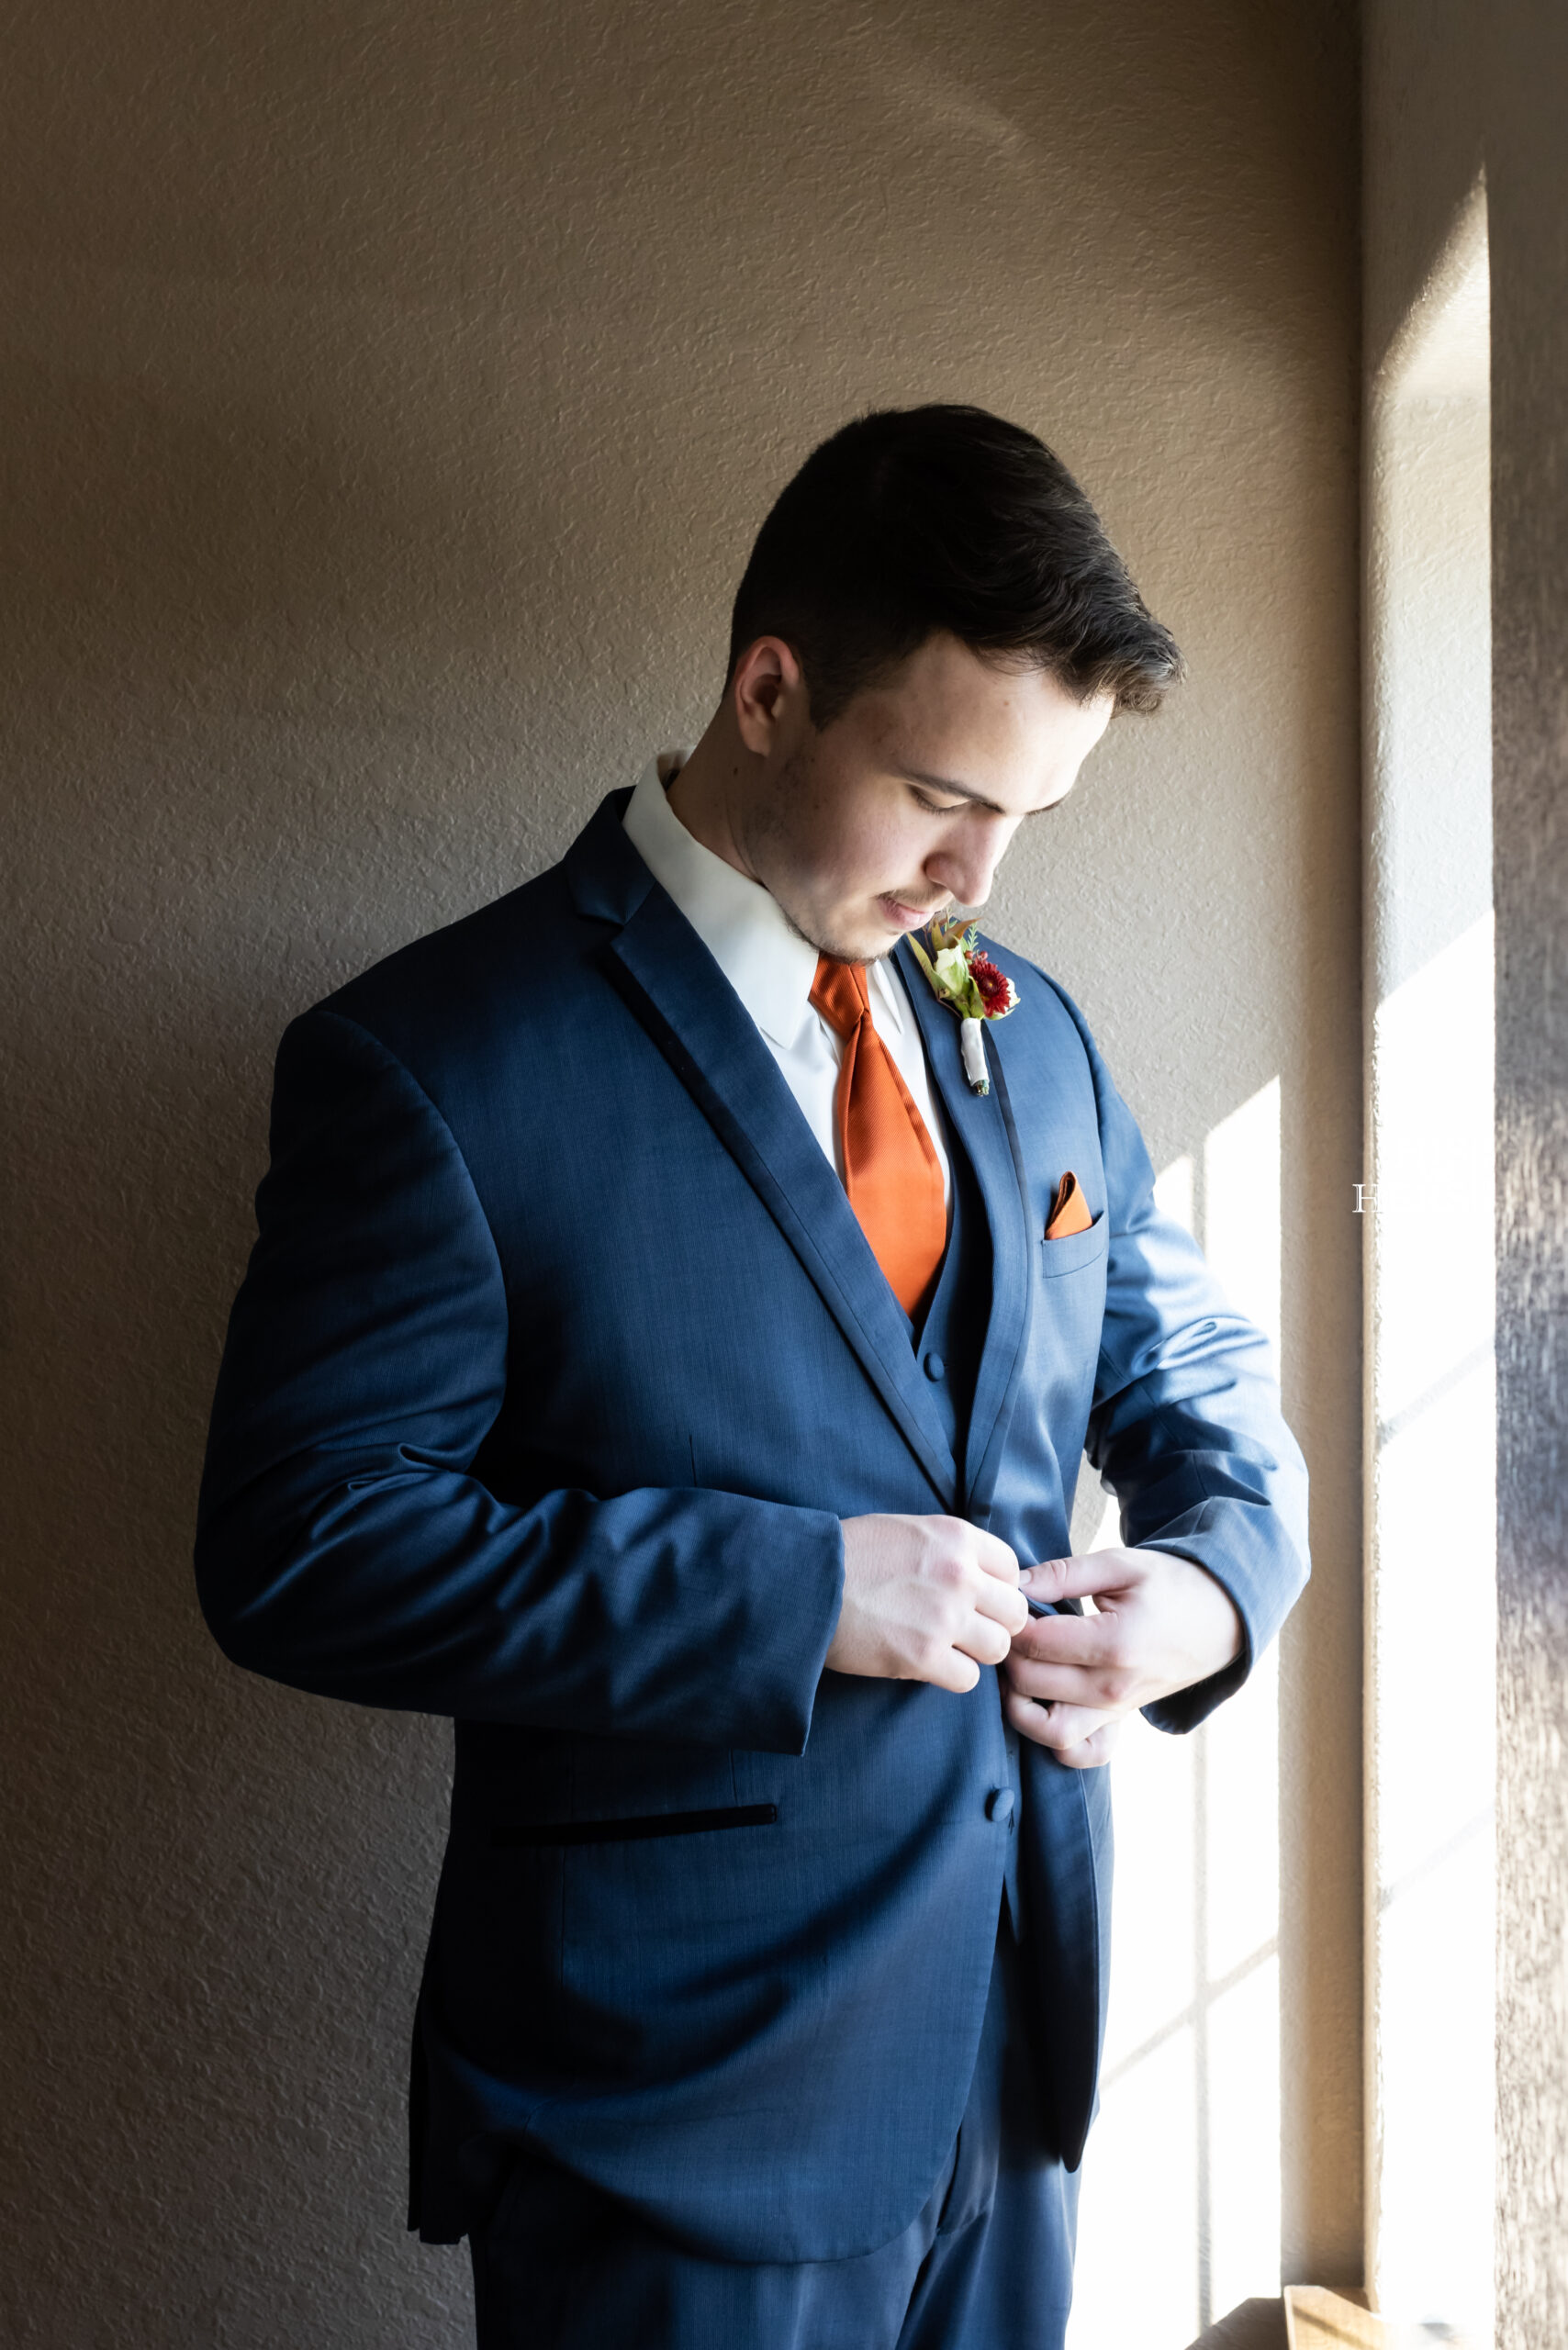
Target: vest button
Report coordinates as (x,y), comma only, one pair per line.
(935,1366)
(999,1806)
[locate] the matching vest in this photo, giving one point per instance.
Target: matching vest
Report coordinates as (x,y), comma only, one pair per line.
(947,1342)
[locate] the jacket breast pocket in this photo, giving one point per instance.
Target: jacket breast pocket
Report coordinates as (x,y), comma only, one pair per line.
(1075,1249)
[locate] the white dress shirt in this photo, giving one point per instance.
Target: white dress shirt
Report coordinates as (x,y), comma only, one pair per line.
(772,969)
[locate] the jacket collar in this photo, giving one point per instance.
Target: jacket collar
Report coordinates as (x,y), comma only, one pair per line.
(675,989)
(606,877)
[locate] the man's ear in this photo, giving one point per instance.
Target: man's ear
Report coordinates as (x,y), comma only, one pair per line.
(767,694)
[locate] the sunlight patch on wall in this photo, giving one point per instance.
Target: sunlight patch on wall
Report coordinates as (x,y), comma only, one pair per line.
(1430,1260)
(1241,1208)
(1175,1193)
(1434,1635)
(1180,2208)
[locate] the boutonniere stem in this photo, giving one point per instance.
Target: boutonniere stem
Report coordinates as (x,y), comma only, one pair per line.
(970,985)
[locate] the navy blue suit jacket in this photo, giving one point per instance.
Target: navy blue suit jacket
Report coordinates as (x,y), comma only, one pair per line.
(560,1357)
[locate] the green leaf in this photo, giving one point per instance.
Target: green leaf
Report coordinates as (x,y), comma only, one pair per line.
(923,960)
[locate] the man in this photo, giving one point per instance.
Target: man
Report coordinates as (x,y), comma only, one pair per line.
(660,1354)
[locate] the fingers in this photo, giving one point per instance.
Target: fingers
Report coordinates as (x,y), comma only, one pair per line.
(1071,1640)
(925,1600)
(1079,1736)
(1107,1690)
(1083,1577)
(1077,1660)
(947,1669)
(996,1591)
(1003,1605)
(984,1639)
(984,1574)
(972,1579)
(1092,1752)
(993,1555)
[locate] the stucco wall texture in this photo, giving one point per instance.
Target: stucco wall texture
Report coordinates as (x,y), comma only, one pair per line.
(1528,195)
(388,395)
(1453,85)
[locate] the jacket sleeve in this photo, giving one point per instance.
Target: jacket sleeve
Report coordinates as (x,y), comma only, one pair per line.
(1186,1427)
(344,1544)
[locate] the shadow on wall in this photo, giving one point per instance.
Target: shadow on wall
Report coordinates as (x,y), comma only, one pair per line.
(221,1888)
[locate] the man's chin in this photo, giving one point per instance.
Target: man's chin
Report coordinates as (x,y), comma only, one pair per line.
(840,953)
(866,933)
(869,943)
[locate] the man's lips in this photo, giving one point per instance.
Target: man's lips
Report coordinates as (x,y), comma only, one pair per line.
(907,917)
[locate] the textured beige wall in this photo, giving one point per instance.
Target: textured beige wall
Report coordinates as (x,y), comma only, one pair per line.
(1450,83)
(1528,202)
(389,394)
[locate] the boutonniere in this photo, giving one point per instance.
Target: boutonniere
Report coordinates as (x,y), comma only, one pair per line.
(969,984)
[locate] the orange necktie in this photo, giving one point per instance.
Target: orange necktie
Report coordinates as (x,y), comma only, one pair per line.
(891,1169)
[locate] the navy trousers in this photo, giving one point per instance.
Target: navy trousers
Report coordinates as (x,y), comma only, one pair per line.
(987,2264)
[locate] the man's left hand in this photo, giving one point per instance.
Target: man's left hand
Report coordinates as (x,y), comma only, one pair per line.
(1160,1624)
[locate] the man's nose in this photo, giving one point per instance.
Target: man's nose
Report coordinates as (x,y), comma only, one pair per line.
(967,866)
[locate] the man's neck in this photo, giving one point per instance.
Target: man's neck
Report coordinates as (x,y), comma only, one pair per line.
(704,791)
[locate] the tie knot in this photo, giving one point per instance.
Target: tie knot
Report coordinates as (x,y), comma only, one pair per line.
(839,993)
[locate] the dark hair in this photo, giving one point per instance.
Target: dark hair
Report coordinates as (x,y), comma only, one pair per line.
(911,521)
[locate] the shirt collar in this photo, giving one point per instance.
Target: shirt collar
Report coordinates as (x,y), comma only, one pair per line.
(770,966)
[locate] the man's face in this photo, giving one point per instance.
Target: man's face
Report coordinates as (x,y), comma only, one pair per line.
(905,805)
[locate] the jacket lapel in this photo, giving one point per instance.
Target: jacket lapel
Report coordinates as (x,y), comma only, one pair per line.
(662,971)
(984,1125)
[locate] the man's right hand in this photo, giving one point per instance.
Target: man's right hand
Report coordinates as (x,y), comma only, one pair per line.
(925,1600)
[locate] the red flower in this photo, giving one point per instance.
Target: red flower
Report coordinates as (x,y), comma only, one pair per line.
(995,987)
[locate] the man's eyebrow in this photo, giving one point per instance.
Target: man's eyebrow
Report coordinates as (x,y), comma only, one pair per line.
(963,791)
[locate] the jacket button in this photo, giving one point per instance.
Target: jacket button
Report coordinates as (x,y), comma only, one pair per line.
(999,1806)
(935,1366)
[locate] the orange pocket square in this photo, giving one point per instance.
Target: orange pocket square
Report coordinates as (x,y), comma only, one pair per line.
(1068,1212)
